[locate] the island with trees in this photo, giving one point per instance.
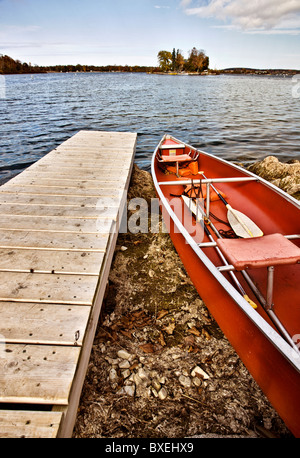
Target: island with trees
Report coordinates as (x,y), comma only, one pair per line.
(197,61)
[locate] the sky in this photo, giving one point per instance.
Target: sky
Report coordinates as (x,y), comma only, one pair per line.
(233,33)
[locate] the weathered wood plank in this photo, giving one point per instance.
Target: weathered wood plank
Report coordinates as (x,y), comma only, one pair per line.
(61,201)
(65,211)
(117,138)
(88,157)
(37,374)
(109,146)
(86,139)
(111,174)
(99,134)
(44,165)
(110,152)
(23,180)
(50,261)
(46,288)
(77,161)
(67,241)
(29,424)
(106,191)
(42,324)
(56,224)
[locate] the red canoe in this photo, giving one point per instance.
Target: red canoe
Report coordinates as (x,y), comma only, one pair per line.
(238,238)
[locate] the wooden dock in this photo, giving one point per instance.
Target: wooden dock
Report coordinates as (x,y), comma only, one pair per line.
(58,230)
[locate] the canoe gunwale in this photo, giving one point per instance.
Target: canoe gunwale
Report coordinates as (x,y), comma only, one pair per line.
(271,334)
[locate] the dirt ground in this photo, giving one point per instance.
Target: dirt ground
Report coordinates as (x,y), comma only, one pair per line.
(160,366)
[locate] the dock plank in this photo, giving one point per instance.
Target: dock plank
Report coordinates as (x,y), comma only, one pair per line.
(29,424)
(76,161)
(67,241)
(70,200)
(105,191)
(43,324)
(91,152)
(56,224)
(105,183)
(53,288)
(65,211)
(50,261)
(37,374)
(77,166)
(116,157)
(113,174)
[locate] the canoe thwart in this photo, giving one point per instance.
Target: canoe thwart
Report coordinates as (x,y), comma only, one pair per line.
(207,181)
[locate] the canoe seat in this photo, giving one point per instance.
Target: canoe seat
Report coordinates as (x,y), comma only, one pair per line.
(267,251)
(178,158)
(171,155)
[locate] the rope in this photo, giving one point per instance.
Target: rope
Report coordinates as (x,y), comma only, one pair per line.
(198,192)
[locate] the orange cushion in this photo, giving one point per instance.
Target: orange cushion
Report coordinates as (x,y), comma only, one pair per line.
(182,172)
(194,167)
(178,158)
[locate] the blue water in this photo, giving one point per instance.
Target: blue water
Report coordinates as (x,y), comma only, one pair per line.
(239,118)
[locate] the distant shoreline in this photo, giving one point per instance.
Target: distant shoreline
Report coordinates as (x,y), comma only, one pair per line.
(234,72)
(9,66)
(254,71)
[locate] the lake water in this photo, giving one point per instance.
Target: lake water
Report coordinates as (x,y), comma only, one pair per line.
(239,118)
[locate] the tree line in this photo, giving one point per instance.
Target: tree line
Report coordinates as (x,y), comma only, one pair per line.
(11,66)
(174,61)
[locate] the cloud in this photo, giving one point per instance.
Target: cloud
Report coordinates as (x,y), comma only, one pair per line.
(249,15)
(18,36)
(17,29)
(160,7)
(185,3)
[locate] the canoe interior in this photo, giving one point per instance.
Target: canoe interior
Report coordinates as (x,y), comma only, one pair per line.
(274,212)
(270,210)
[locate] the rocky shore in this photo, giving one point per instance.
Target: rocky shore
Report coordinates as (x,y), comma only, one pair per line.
(284,175)
(160,366)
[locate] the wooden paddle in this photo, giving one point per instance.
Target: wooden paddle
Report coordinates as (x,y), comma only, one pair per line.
(242,225)
(199,215)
